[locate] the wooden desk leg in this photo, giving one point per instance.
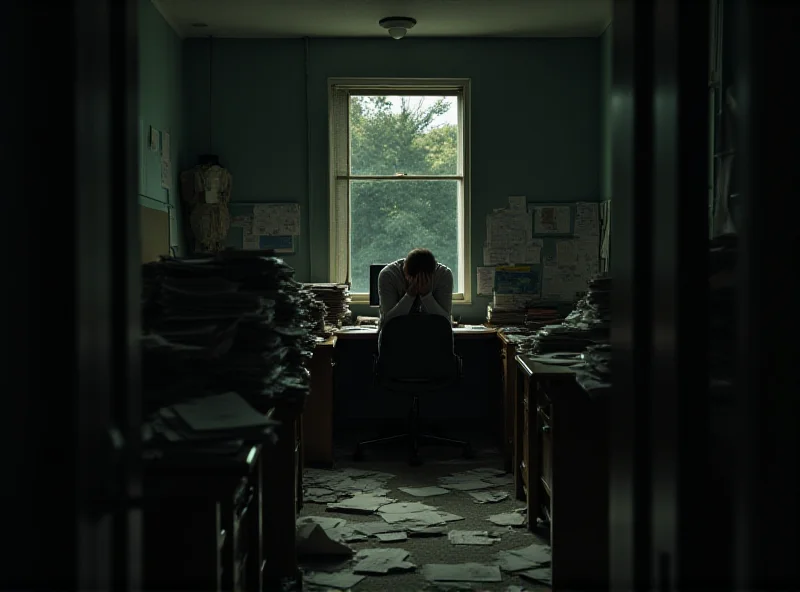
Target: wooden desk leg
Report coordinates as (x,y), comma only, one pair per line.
(510,408)
(318,413)
(279,503)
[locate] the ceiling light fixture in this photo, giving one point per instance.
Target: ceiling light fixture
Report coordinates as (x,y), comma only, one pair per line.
(398,26)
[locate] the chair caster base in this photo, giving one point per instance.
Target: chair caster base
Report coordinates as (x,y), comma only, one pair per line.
(358,455)
(414,459)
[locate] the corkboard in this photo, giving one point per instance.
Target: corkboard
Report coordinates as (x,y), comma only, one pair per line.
(154,227)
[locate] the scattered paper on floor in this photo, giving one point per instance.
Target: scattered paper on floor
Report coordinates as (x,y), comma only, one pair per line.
(424,518)
(461,572)
(391,537)
(424,491)
(488,497)
(467,485)
(360,504)
(540,575)
(324,521)
(382,561)
(508,519)
(471,537)
(373,528)
(525,558)
(312,540)
(405,508)
(426,531)
(340,580)
(500,480)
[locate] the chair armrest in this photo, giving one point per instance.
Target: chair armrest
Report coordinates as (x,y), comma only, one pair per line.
(375,372)
(460,366)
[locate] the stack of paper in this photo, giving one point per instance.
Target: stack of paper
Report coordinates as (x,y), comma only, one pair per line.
(335,297)
(229,324)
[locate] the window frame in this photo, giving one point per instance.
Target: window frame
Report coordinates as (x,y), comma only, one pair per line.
(338,152)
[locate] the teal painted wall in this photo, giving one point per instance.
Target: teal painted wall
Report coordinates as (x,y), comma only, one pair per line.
(535,116)
(606,82)
(160,106)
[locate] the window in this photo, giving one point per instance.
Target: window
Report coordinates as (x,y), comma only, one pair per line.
(399,177)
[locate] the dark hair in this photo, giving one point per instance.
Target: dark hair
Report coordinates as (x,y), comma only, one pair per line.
(420,261)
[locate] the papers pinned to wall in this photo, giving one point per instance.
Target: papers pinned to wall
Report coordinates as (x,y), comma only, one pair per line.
(557,244)
(276,219)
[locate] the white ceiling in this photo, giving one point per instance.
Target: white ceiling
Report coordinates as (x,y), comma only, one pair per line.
(359,18)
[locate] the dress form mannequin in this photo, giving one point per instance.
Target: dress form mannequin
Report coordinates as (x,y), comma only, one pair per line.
(206,188)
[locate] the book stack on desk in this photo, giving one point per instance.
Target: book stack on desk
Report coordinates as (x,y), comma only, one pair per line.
(336,298)
(224,324)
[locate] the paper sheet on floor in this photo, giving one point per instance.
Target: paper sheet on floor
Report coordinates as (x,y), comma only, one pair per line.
(324,521)
(340,580)
(423,491)
(382,561)
(488,497)
(405,508)
(466,485)
(312,540)
(471,537)
(508,519)
(360,504)
(374,528)
(425,518)
(391,537)
(461,572)
(525,558)
(541,575)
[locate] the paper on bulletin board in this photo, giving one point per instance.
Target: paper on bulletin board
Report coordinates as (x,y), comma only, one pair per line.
(279,244)
(242,222)
(276,219)
(485,281)
(250,242)
(566,252)
(517,279)
(564,284)
(552,220)
(587,219)
(496,256)
(518,203)
(153,139)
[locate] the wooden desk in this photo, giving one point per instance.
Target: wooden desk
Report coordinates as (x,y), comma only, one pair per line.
(562,458)
(318,414)
(202,521)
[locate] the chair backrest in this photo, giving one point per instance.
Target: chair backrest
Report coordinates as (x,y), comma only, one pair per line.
(417,346)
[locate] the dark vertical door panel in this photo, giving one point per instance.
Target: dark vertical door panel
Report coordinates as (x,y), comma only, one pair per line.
(71,292)
(631,270)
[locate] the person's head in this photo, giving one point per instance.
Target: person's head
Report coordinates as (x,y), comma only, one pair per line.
(419,261)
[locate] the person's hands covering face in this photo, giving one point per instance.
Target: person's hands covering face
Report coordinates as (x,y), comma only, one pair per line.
(423,283)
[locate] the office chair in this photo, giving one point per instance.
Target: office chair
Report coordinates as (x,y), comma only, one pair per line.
(416,358)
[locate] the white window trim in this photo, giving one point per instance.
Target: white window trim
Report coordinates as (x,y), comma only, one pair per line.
(339,211)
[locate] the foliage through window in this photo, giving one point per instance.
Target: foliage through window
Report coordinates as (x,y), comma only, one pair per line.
(403,178)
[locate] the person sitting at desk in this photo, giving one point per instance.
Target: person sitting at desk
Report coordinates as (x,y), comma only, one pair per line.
(416,284)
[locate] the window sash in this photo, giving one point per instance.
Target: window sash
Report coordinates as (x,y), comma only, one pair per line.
(339,145)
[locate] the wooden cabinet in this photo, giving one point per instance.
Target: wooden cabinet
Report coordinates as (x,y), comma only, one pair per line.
(317,428)
(562,457)
(202,521)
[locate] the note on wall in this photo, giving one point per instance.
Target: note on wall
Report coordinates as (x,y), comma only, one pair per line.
(563,283)
(552,220)
(166,173)
(153,139)
(566,252)
(276,219)
(485,281)
(587,219)
(242,222)
(495,256)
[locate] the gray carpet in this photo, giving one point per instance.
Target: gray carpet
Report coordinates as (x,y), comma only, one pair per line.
(438,462)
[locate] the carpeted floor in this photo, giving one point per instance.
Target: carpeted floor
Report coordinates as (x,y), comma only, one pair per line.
(439,462)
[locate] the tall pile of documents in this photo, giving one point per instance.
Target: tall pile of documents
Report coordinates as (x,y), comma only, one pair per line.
(230,323)
(593,315)
(336,298)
